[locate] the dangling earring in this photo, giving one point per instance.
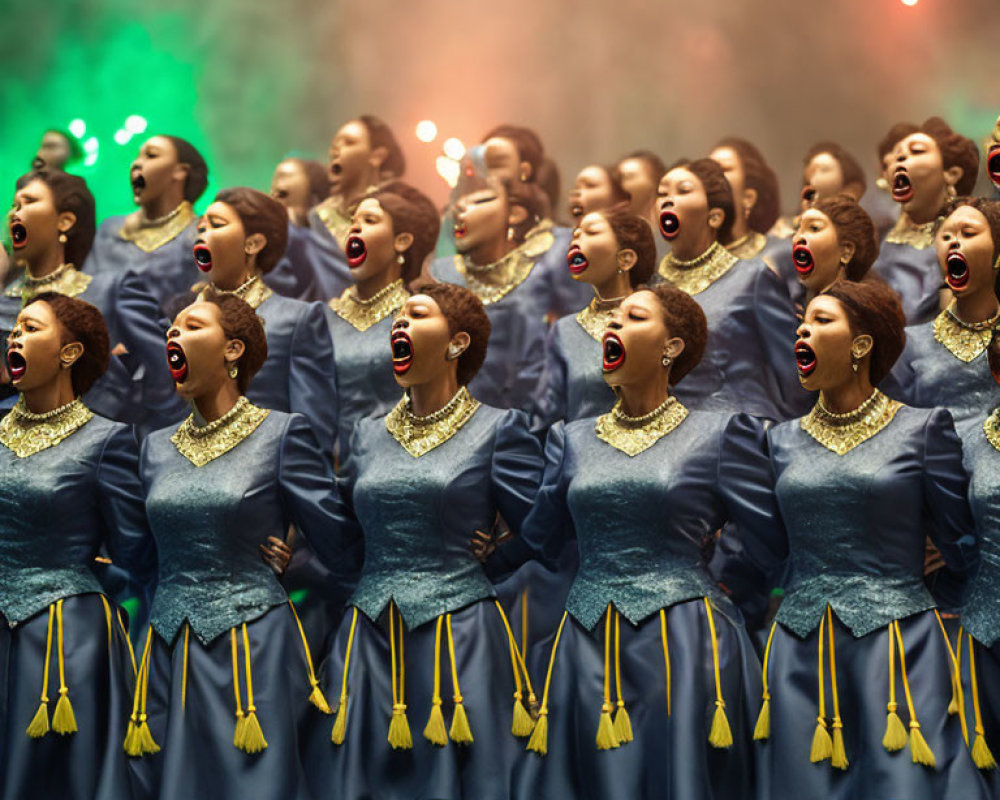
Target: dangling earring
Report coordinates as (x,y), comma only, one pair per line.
(854,363)
(510,233)
(400,259)
(62,238)
(996,264)
(454,351)
(666,360)
(234,370)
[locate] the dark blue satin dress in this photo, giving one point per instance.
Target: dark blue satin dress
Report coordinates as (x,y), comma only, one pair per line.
(325,257)
(293,276)
(57,508)
(909,265)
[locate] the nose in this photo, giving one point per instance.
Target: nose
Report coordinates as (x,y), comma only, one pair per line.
(803,331)
(173,332)
(402,323)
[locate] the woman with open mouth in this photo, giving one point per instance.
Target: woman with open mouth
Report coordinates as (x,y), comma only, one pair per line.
(858,670)
(499,252)
(69,485)
(225,676)
(52,227)
(167,177)
(925,167)
(648,689)
(393,231)
(993,156)
(944,363)
(424,663)
(751,321)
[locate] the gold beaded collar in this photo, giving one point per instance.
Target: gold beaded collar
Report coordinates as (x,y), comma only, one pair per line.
(748,246)
(699,273)
(252,291)
(200,444)
(991,427)
(151,234)
(491,282)
(964,340)
(420,435)
(843,432)
(67,280)
(362,314)
(25,433)
(594,318)
(905,231)
(336,216)
(633,435)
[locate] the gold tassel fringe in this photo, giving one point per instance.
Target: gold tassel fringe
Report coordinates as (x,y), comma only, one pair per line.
(435,731)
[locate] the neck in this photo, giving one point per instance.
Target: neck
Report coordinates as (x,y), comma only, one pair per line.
(47,398)
(849,395)
(688,250)
(213,405)
(46,263)
(927,211)
(490,252)
(426,398)
(367,288)
(357,188)
(640,399)
(615,288)
(163,205)
(740,226)
(977,306)
(233,282)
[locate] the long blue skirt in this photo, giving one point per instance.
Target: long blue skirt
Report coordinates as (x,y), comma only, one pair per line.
(863,693)
(670,755)
(98,669)
(986,695)
(364,765)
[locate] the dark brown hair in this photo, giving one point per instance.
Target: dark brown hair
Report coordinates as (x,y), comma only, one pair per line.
(548,180)
(381,135)
(873,308)
(317,176)
(685,320)
(240,321)
(82,323)
(197,176)
(69,193)
(850,169)
(717,190)
(529,197)
(988,208)
(633,233)
(464,312)
(529,146)
(411,212)
(759,176)
(261,214)
(855,226)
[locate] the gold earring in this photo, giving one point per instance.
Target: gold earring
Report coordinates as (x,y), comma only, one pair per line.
(62,238)
(510,233)
(952,191)
(854,362)
(666,360)
(400,259)
(234,370)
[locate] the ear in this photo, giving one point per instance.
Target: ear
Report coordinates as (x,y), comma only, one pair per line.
(179,172)
(673,347)
(526,173)
(254,243)
(953,175)
(846,253)
(70,353)
(517,215)
(716,217)
(66,221)
(749,199)
(234,350)
(862,345)
(626,259)
(402,242)
(460,342)
(379,156)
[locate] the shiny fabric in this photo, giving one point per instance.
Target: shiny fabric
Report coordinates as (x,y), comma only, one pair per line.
(857,523)
(916,277)
(293,276)
(168,271)
(981,614)
(298,375)
(516,355)
(988,675)
(59,506)
(208,522)
(88,764)
(670,756)
(783,766)
(565,295)
(418,514)
(749,361)
(325,258)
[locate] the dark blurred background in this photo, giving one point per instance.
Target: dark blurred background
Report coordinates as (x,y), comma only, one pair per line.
(249,82)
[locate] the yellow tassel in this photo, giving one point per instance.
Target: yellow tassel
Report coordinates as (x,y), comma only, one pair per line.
(921,751)
(522,724)
(762,730)
(138,737)
(721,735)
(623,724)
(838,754)
(838,757)
(539,741)
(64,720)
(339,732)
(316,697)
(239,729)
(981,755)
(40,722)
(399,729)
(606,739)
(253,736)
(144,737)
(822,744)
(239,732)
(460,732)
(130,745)
(895,732)
(435,731)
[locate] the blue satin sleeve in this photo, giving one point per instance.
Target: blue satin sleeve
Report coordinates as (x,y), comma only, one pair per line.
(900,383)
(530,364)
(293,275)
(946,511)
(312,384)
(312,503)
(776,326)
(517,468)
(549,402)
(549,525)
(121,500)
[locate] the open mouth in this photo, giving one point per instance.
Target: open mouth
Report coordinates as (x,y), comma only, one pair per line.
(176,362)
(577,260)
(402,352)
(902,188)
(336,168)
(203,257)
(956,271)
(614,352)
(670,224)
(805,359)
(576,210)
(138,184)
(803,258)
(993,164)
(808,193)
(16,365)
(459,229)
(355,251)
(18,234)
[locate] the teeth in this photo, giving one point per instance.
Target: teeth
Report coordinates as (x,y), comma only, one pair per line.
(614,352)
(803,258)
(958,269)
(16,365)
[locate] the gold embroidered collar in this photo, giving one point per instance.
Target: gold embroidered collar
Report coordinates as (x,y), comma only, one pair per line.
(843,432)
(200,444)
(252,291)
(491,282)
(362,314)
(151,234)
(594,318)
(336,215)
(748,246)
(25,433)
(905,231)
(420,435)
(67,280)
(964,340)
(991,427)
(699,273)
(633,435)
